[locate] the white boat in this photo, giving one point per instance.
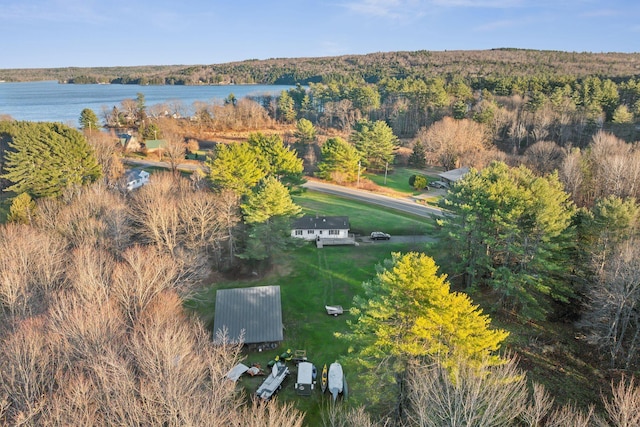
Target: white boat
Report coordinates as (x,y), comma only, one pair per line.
(336,379)
(273,382)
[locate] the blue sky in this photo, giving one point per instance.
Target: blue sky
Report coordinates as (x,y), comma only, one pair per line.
(86,33)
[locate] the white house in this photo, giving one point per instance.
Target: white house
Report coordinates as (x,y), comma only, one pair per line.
(135,178)
(312,227)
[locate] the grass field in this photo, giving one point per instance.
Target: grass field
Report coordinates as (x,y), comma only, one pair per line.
(398,179)
(311,278)
(363,218)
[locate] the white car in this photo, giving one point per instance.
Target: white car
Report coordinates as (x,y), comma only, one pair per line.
(379,235)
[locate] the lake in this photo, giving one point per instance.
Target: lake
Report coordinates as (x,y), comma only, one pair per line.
(50,101)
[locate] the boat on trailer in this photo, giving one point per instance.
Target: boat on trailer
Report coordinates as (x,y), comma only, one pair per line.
(336,379)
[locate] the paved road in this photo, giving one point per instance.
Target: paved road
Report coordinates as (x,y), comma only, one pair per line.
(157,164)
(408,204)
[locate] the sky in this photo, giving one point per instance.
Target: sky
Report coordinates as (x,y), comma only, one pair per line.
(92,33)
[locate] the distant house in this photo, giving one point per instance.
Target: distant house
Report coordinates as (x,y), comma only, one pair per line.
(135,178)
(152,145)
(255,314)
(453,175)
(312,227)
(129,142)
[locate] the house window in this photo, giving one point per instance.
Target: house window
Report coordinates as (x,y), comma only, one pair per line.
(334,232)
(298,232)
(311,232)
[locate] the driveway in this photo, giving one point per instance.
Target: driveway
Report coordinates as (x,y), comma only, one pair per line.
(398,239)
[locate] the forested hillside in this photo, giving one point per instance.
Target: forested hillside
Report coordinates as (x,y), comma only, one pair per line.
(477,64)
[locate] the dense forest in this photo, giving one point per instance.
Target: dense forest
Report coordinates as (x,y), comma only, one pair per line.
(371,67)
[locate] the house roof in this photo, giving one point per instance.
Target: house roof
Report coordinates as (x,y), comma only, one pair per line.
(454,174)
(154,144)
(133,174)
(256,311)
(313,222)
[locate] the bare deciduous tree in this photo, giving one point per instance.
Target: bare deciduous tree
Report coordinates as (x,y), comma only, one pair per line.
(623,408)
(155,212)
(453,143)
(544,157)
(107,152)
(32,264)
(488,396)
(144,273)
(612,317)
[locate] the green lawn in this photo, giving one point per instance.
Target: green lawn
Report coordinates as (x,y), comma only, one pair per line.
(310,278)
(397,180)
(364,218)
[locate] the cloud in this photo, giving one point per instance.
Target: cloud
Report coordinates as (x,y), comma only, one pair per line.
(496,25)
(51,11)
(393,9)
(406,9)
(488,4)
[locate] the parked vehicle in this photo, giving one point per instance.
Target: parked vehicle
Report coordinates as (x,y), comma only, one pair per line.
(439,184)
(379,235)
(306,382)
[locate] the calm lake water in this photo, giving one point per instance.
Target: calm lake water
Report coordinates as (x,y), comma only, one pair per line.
(53,102)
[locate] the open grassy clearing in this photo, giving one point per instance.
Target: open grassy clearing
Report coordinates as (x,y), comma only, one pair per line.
(398,179)
(363,218)
(310,278)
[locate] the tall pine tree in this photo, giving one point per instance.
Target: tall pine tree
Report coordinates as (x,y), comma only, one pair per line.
(44,159)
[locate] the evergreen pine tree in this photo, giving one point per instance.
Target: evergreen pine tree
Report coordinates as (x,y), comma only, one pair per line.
(44,159)
(418,155)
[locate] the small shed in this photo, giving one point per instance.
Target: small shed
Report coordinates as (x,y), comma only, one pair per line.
(453,175)
(253,314)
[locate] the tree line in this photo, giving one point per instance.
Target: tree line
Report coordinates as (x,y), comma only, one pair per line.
(372,67)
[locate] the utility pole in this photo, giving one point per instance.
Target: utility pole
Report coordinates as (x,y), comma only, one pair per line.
(358,174)
(386,168)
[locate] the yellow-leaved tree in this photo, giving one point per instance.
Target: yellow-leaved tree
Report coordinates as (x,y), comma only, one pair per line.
(408,313)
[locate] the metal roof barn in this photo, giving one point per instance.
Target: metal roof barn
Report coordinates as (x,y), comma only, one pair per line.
(255,312)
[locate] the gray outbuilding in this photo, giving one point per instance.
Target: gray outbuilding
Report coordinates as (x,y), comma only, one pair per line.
(255,314)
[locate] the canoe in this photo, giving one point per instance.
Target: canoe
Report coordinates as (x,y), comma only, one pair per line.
(323,384)
(336,379)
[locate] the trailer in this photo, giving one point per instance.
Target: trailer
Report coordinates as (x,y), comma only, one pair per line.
(306,381)
(273,382)
(334,310)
